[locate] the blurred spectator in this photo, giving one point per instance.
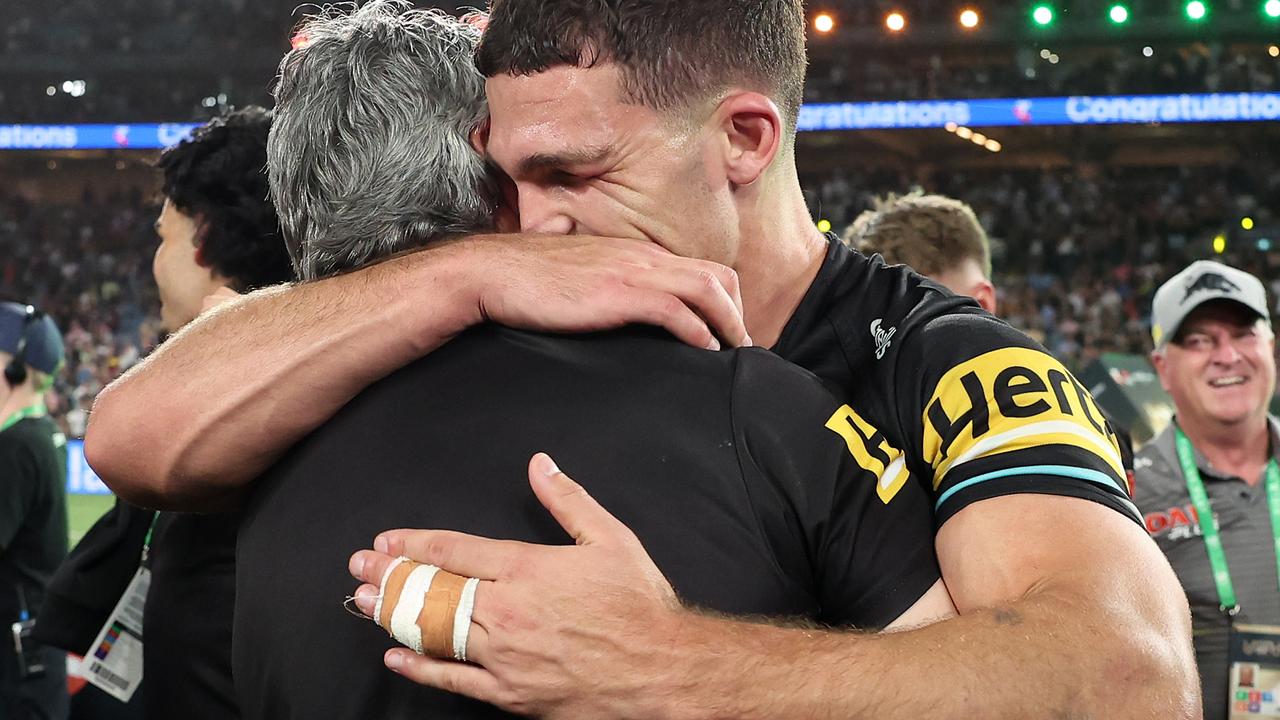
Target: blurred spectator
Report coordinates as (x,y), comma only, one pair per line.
(1079,252)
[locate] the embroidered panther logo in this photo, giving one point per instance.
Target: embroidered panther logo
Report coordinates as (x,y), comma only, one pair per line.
(1210,281)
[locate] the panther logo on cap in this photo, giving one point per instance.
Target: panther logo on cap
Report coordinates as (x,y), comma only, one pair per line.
(1210,281)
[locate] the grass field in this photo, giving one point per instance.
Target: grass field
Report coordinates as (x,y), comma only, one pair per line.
(83,511)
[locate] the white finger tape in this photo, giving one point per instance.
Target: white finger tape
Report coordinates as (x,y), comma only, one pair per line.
(382,587)
(462,619)
(404,617)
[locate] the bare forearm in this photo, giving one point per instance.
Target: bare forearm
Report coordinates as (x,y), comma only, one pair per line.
(1041,657)
(245,382)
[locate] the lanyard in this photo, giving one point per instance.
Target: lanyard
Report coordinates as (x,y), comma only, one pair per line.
(1209,524)
(146,543)
(34,411)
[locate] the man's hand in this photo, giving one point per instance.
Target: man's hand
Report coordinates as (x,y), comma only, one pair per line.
(582,284)
(1080,617)
(544,616)
(263,371)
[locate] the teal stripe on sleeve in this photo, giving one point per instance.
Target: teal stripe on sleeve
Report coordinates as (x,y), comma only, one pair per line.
(1078,473)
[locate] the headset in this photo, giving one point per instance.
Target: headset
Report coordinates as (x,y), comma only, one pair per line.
(15,373)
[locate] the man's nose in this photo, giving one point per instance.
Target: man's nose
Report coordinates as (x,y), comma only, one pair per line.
(539,213)
(1225,352)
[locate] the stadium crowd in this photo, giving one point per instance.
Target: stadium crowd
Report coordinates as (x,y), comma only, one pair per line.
(1077,256)
(88,265)
(1035,71)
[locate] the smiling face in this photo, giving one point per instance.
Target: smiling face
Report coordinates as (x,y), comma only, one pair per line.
(585,162)
(1221,368)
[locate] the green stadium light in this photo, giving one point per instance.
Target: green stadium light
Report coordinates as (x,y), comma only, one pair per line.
(1196,10)
(1042,15)
(1119,14)
(1272,8)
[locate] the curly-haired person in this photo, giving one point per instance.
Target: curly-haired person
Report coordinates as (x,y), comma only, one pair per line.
(218,227)
(218,233)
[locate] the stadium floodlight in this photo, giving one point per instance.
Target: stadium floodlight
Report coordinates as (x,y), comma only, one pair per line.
(824,23)
(1272,8)
(1196,10)
(896,22)
(1119,14)
(1043,15)
(969,19)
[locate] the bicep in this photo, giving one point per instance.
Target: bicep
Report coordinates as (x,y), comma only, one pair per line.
(1004,549)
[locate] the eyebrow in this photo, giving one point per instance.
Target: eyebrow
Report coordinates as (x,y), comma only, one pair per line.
(539,163)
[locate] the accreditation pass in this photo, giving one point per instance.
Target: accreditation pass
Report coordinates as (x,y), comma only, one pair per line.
(114,661)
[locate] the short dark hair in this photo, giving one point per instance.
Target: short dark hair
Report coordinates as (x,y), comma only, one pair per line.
(219,177)
(673,53)
(931,233)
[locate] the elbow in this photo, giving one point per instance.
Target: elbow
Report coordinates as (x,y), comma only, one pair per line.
(116,447)
(1151,669)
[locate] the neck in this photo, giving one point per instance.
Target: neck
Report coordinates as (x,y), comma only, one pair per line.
(782,252)
(1239,450)
(21,398)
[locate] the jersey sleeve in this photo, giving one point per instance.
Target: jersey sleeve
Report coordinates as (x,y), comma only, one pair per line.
(998,415)
(868,533)
(19,471)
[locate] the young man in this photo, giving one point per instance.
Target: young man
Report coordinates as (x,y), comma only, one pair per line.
(938,236)
(722,462)
(673,122)
(33,511)
(1215,354)
(218,235)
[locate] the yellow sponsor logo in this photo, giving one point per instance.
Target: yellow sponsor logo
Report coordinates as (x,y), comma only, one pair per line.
(871,451)
(1011,399)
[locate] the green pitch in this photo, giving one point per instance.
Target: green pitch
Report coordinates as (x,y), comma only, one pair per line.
(83,511)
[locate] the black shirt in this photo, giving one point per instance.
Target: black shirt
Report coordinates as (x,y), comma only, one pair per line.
(187,652)
(722,463)
(33,541)
(33,512)
(972,408)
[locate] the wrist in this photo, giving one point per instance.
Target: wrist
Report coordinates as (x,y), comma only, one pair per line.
(443,294)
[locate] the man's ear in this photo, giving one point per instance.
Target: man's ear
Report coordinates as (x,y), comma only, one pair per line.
(985,293)
(754,129)
(1157,362)
(202,231)
(480,137)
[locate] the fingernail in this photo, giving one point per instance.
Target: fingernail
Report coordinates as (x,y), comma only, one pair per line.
(549,466)
(382,545)
(356,566)
(394,661)
(714,344)
(748,342)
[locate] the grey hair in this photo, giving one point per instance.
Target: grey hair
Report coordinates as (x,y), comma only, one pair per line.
(369,154)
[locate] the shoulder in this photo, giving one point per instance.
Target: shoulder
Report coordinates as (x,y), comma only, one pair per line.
(1155,478)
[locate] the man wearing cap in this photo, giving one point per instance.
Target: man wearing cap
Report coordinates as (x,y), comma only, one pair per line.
(33,512)
(1215,354)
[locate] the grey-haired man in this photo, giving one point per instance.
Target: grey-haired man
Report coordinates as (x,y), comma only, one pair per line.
(1215,353)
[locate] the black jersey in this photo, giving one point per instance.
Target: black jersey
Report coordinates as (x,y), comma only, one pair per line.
(939,389)
(722,463)
(187,665)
